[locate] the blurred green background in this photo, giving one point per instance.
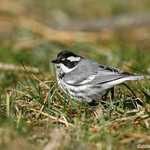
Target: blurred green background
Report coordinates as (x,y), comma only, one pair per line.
(32,32)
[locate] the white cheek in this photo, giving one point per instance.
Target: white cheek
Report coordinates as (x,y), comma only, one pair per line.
(65,69)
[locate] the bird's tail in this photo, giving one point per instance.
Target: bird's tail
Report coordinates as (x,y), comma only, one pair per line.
(122,79)
(135,77)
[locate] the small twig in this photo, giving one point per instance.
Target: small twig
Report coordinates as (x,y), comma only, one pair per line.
(12,67)
(41,82)
(42,107)
(45,100)
(131,118)
(8,95)
(53,118)
(23,93)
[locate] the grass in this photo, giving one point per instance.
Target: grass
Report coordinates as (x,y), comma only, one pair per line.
(35,113)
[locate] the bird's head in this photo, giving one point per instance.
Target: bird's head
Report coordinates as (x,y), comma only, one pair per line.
(66,60)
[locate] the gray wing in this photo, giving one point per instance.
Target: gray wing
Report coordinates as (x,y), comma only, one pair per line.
(89,71)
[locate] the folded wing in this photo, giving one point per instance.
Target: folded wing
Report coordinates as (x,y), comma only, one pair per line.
(89,72)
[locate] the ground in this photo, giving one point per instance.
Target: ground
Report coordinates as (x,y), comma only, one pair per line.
(34,112)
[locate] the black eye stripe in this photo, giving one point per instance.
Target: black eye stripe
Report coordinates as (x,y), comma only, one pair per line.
(62,58)
(70,64)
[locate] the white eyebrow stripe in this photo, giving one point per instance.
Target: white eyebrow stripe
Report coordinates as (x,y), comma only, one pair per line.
(72,58)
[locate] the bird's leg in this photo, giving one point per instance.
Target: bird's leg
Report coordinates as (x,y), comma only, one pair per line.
(112,90)
(130,89)
(112,96)
(105,95)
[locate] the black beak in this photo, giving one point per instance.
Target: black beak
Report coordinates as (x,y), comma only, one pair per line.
(55,61)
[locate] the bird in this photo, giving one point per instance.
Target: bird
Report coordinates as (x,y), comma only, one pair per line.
(84,79)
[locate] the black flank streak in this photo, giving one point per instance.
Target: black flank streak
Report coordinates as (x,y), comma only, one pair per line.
(61,75)
(109,81)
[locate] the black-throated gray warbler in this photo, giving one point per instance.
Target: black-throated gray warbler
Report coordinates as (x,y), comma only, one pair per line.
(86,80)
